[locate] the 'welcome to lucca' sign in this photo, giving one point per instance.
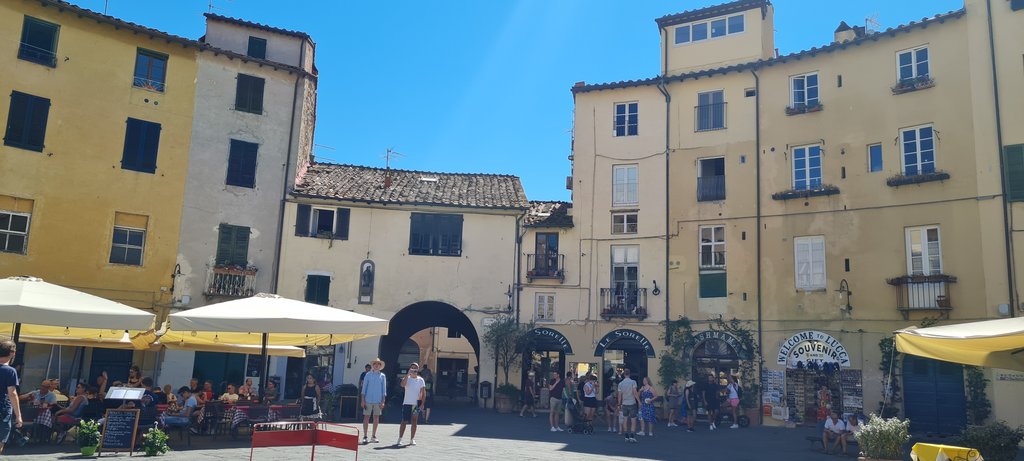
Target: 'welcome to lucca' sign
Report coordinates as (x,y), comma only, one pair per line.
(812,347)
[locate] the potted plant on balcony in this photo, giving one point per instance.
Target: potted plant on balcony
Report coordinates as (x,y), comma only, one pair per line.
(88,437)
(883,439)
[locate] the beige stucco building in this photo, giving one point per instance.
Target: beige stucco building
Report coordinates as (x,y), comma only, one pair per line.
(826,197)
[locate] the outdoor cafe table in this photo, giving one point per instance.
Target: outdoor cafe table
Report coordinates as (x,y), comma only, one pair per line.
(241,414)
(933,452)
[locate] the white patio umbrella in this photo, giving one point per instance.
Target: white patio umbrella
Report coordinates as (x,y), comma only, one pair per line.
(269,319)
(42,306)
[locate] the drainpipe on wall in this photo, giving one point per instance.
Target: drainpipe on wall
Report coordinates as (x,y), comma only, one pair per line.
(517,288)
(1007,225)
(757,221)
(287,169)
(665,283)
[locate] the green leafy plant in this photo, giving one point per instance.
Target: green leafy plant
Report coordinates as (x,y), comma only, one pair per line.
(507,340)
(88,433)
(507,389)
(883,438)
(995,441)
(675,363)
(154,442)
(978,406)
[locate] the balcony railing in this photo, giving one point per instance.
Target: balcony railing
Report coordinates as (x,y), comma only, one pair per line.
(708,117)
(710,188)
(234,281)
(147,84)
(624,303)
(37,55)
(545,266)
(922,293)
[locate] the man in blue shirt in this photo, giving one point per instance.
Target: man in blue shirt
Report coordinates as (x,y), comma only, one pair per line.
(10,412)
(183,416)
(373,394)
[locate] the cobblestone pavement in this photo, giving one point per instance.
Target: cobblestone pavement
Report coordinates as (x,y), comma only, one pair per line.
(461,433)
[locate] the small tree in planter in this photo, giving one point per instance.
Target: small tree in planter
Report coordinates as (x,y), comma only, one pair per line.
(883,439)
(995,441)
(507,340)
(88,437)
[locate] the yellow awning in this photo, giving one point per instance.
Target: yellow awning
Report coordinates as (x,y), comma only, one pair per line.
(278,351)
(991,343)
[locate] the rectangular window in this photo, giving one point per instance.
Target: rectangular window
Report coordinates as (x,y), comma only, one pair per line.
(718,28)
(39,42)
(26,121)
(712,246)
(626,119)
(128,246)
(1014,161)
(150,70)
(435,234)
(711,179)
(242,164)
(924,251)
(912,64)
(624,223)
(545,307)
(735,24)
(699,31)
(807,167)
(710,111)
(14,232)
(626,272)
(682,34)
(809,257)
(257,48)
(322,222)
(804,90)
(233,245)
(249,94)
(141,143)
(918,150)
(874,158)
(625,185)
(318,289)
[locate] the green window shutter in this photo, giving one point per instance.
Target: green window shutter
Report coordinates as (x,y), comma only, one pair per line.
(302,220)
(341,224)
(16,119)
(318,289)
(36,130)
(240,246)
(225,237)
(1014,162)
(257,48)
(713,285)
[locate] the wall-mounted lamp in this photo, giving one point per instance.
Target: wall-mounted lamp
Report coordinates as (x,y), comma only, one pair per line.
(508,294)
(844,296)
(656,291)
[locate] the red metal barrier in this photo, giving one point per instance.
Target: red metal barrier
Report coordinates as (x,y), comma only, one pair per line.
(305,433)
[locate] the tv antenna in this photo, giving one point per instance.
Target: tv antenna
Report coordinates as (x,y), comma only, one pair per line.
(328,157)
(871,24)
(388,155)
(210,7)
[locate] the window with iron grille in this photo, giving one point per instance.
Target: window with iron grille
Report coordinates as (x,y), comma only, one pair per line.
(150,70)
(38,42)
(435,234)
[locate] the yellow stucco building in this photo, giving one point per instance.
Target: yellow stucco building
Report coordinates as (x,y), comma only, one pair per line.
(98,117)
(825,198)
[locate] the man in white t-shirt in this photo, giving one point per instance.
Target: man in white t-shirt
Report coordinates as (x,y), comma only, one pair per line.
(628,399)
(835,429)
(415,392)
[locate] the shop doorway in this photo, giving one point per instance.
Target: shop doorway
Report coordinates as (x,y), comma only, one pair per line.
(933,396)
(452,377)
(714,357)
(621,349)
(113,361)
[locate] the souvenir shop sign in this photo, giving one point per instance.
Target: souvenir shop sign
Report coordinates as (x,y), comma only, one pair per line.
(549,336)
(725,337)
(812,347)
(624,339)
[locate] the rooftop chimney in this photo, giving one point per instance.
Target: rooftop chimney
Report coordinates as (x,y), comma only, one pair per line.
(845,33)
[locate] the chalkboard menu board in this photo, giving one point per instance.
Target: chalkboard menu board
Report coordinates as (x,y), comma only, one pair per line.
(119,430)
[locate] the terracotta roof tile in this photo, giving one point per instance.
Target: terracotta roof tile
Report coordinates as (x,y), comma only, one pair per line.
(256,25)
(711,12)
(548,214)
(367,184)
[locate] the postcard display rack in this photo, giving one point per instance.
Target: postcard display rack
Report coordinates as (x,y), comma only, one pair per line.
(802,387)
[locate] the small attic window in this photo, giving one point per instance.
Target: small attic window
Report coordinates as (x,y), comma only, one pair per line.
(428,178)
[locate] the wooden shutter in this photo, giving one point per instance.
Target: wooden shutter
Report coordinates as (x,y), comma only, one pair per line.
(240,246)
(16,119)
(242,164)
(256,98)
(1014,162)
(311,282)
(302,220)
(241,92)
(150,146)
(341,223)
(132,144)
(225,237)
(257,48)
(35,132)
(323,292)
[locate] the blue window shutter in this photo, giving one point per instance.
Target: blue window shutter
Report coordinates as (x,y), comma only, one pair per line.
(302,220)
(341,224)
(132,144)
(16,119)
(150,146)
(36,130)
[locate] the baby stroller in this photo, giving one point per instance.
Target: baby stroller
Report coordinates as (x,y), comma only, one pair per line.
(580,423)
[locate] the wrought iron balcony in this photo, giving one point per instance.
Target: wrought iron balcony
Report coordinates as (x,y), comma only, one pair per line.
(710,188)
(234,281)
(545,266)
(624,303)
(37,55)
(922,293)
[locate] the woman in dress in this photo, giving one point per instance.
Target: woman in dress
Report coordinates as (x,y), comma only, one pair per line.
(529,399)
(310,401)
(647,417)
(134,377)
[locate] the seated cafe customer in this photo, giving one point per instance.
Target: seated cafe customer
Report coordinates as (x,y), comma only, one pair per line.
(182,416)
(73,412)
(270,393)
(231,396)
(42,397)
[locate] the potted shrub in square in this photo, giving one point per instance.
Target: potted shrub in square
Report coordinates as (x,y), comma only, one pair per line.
(883,439)
(88,437)
(154,442)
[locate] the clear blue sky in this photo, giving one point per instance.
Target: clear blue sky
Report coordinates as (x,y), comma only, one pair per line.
(482,86)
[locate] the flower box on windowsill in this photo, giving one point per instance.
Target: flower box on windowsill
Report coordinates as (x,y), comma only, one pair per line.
(820,191)
(804,108)
(903,180)
(913,84)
